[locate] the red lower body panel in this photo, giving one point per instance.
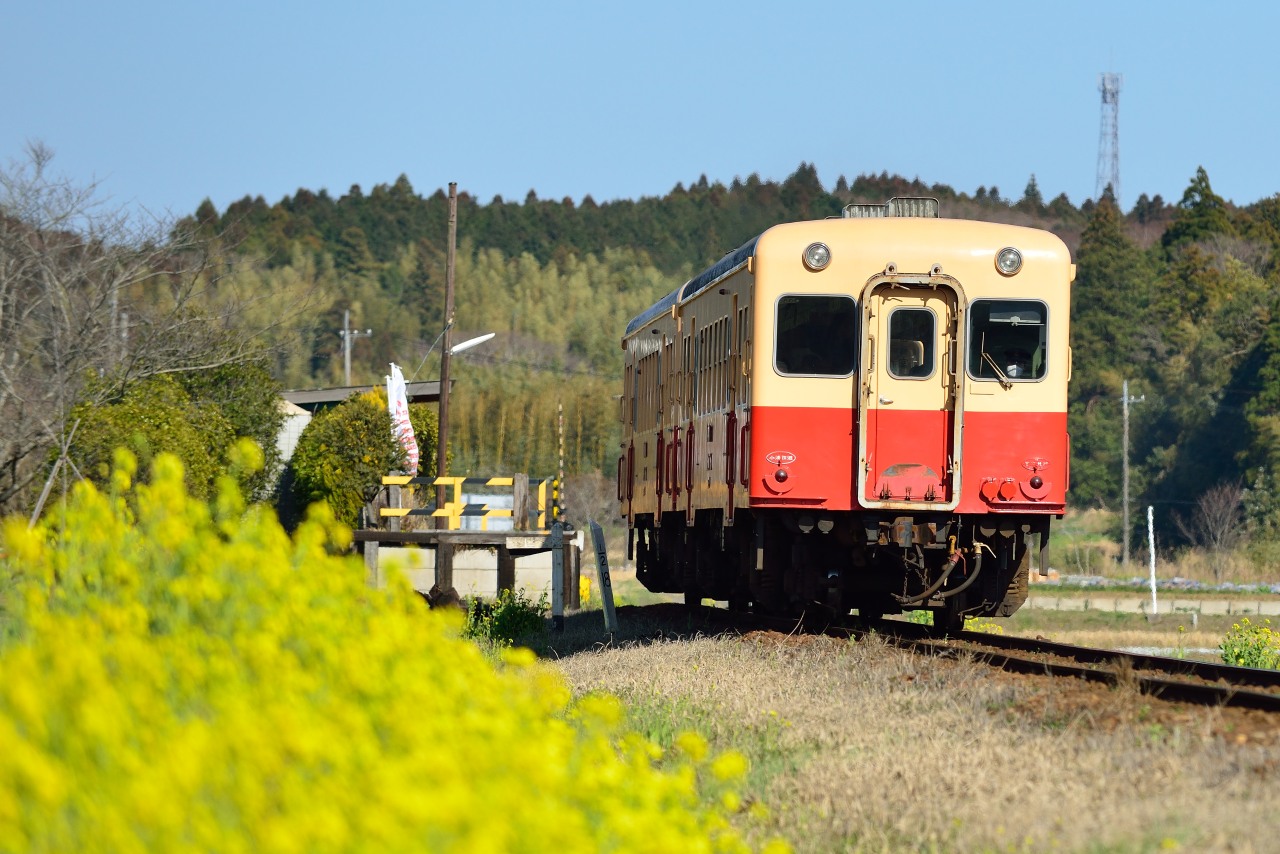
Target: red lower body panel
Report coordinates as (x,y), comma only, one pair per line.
(802,457)
(1011,462)
(1005,452)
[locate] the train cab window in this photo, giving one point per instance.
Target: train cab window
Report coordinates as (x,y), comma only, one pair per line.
(912,338)
(815,335)
(1008,340)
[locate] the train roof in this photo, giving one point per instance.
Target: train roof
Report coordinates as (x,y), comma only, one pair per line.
(698,283)
(736,259)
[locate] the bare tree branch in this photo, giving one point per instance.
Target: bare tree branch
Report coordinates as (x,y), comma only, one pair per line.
(91,301)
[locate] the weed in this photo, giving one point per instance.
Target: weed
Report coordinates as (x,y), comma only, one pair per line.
(511,617)
(1249,645)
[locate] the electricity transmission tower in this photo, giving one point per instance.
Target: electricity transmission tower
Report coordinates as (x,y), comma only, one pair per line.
(1109,136)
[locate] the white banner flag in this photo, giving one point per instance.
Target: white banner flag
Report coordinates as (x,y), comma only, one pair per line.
(398,403)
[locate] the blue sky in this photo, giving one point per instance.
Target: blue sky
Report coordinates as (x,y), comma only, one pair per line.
(166,103)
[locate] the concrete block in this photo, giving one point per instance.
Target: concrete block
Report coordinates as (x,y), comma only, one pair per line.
(1269,608)
(1072,603)
(1132,605)
(1215,607)
(1185,606)
(1100,603)
(1043,603)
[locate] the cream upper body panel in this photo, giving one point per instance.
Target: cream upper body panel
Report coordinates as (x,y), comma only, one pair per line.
(864,249)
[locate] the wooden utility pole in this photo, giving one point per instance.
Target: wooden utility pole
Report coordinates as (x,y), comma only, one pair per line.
(442,444)
(1126,400)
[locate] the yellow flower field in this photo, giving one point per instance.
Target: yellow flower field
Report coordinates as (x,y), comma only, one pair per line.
(177,676)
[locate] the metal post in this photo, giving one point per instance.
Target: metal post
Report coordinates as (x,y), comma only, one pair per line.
(560,470)
(557,576)
(606,586)
(442,449)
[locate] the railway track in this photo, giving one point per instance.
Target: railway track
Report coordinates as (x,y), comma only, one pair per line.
(1165,678)
(1161,677)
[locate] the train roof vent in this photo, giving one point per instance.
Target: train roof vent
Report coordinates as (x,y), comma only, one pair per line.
(921,206)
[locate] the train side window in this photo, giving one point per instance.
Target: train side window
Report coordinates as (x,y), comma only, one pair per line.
(816,335)
(912,340)
(1008,340)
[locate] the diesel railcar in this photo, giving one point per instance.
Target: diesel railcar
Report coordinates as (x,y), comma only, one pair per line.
(867,412)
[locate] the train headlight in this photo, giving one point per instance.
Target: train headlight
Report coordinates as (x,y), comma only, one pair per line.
(817,256)
(1008,261)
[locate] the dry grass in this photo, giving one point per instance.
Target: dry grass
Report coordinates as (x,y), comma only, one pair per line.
(862,747)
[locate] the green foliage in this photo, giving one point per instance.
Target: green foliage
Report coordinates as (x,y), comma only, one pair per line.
(154,416)
(185,676)
(1250,645)
(249,398)
(1201,213)
(1112,337)
(1177,299)
(343,454)
(512,618)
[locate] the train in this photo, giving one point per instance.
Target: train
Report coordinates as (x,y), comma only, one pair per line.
(865,413)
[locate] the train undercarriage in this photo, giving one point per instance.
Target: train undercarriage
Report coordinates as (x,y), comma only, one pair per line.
(790,562)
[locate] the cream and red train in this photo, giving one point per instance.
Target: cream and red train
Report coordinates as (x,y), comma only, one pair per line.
(866,412)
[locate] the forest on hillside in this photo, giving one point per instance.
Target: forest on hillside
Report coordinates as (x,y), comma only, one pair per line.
(1179,298)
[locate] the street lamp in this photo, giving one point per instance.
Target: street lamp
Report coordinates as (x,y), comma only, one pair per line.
(470,342)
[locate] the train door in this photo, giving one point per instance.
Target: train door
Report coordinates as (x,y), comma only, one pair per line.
(909,430)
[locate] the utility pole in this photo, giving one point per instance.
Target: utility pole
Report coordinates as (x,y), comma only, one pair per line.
(1126,400)
(348,334)
(442,449)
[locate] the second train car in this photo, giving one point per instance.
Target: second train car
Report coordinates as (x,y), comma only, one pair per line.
(866,412)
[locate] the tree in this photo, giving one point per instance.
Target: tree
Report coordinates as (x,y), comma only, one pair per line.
(1201,213)
(1032,201)
(153,416)
(344,452)
(248,397)
(87,292)
(1109,345)
(1217,523)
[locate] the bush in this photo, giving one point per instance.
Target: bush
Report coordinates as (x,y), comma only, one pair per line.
(151,417)
(183,676)
(1248,645)
(249,398)
(510,618)
(344,452)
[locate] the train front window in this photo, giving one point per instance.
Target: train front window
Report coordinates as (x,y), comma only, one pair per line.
(911,343)
(815,336)
(1008,340)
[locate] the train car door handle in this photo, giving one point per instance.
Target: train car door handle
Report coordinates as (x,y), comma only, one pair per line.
(884,399)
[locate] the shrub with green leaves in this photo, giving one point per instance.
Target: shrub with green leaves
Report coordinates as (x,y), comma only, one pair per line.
(186,676)
(509,619)
(249,398)
(344,452)
(1252,645)
(153,416)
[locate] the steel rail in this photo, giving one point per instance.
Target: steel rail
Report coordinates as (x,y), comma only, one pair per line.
(1162,677)
(1219,685)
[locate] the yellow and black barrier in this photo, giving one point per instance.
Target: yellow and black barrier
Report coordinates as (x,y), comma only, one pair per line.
(454,508)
